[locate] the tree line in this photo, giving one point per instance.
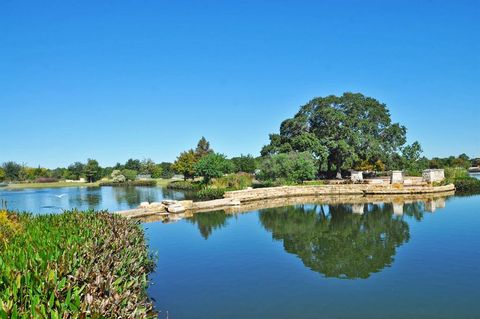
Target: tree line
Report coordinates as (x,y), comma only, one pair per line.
(90,170)
(327,137)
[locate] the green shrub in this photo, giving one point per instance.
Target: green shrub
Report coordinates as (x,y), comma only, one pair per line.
(453,173)
(213,165)
(292,167)
(468,185)
(130,174)
(130,183)
(233,181)
(183,185)
(75,265)
(209,193)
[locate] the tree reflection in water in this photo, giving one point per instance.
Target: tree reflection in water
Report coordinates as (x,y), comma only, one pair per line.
(335,242)
(208,222)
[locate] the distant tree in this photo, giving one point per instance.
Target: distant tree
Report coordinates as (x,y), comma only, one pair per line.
(92,170)
(148,166)
(292,167)
(411,155)
(133,164)
(75,170)
(185,164)
(2,174)
(12,171)
(212,165)
(58,172)
(130,174)
(244,163)
(340,131)
(167,170)
(117,176)
(118,166)
(203,148)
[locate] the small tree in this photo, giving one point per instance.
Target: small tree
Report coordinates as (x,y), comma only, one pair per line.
(185,164)
(117,176)
(92,170)
(130,174)
(203,148)
(2,174)
(244,164)
(213,165)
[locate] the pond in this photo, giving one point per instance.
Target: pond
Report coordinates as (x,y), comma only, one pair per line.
(379,259)
(47,200)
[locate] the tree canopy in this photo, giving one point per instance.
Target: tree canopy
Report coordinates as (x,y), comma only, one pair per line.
(185,164)
(203,148)
(212,165)
(340,131)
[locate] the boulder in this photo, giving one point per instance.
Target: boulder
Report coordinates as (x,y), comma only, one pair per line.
(176,208)
(187,204)
(144,204)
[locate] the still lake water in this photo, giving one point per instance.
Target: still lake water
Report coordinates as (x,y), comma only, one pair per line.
(415,259)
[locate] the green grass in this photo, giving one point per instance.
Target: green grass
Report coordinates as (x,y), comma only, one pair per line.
(74,265)
(49,185)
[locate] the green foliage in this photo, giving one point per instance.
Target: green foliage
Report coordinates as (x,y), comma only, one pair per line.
(340,131)
(149,183)
(2,174)
(185,164)
(75,171)
(292,167)
(244,163)
(9,227)
(130,175)
(75,265)
(468,185)
(203,148)
(212,165)
(117,176)
(183,185)
(167,170)
(133,164)
(453,173)
(233,181)
(92,171)
(209,193)
(12,171)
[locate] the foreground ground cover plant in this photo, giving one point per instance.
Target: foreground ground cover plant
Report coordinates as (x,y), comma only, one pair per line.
(74,265)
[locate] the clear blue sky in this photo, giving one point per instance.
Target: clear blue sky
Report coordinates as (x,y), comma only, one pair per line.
(146,79)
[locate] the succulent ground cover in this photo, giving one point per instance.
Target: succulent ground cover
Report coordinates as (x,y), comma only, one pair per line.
(73,265)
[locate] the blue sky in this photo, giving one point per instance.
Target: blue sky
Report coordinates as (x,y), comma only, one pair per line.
(146,79)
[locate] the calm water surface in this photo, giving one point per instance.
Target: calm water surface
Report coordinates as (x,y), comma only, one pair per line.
(48,200)
(412,259)
(322,261)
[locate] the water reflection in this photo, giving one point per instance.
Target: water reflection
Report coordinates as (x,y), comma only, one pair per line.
(347,241)
(208,222)
(344,241)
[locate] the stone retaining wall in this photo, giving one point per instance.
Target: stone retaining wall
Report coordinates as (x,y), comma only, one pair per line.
(321,190)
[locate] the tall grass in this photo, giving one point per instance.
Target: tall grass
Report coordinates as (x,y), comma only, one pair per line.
(75,265)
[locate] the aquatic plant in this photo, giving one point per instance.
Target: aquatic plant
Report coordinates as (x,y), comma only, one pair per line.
(75,265)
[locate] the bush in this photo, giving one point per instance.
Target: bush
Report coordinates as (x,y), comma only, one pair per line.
(46,180)
(209,193)
(453,173)
(75,265)
(292,167)
(130,174)
(233,181)
(468,185)
(183,185)
(130,183)
(117,176)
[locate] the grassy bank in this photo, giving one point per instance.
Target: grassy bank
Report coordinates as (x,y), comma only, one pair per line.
(73,265)
(155,182)
(49,185)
